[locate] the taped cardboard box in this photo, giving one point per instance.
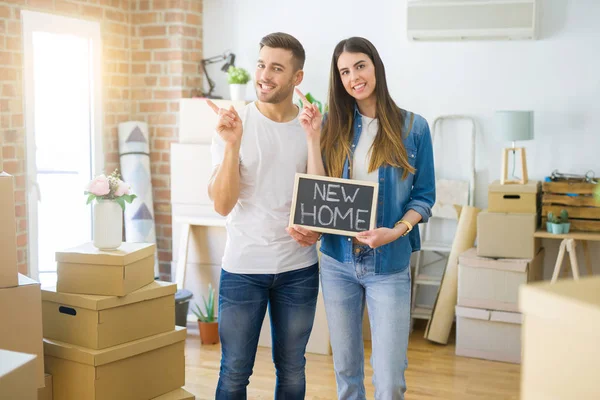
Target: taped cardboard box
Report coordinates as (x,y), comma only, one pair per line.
(179,394)
(88,270)
(561,349)
(18,376)
(493,283)
(138,370)
(45,393)
(501,235)
(98,322)
(8,232)
(488,334)
(516,199)
(21,321)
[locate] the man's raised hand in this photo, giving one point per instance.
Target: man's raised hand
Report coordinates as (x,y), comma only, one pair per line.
(310,117)
(229,124)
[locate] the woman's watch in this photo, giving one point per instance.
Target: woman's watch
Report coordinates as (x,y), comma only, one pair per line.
(408,225)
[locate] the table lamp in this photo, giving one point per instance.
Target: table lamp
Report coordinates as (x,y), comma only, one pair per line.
(230,60)
(513,126)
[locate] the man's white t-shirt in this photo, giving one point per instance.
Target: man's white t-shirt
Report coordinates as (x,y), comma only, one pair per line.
(270,155)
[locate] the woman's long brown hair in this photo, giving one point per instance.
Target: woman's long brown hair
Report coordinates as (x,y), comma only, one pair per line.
(336,139)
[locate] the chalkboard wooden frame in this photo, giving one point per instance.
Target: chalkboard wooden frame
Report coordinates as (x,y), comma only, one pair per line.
(372,222)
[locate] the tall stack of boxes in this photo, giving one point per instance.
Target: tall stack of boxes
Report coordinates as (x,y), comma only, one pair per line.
(20,305)
(109,328)
(489,276)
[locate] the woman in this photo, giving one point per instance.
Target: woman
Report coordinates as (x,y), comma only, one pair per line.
(367,137)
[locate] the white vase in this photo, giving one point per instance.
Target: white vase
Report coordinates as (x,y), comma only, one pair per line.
(108,225)
(237,91)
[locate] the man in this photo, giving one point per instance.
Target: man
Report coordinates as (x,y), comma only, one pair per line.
(255,156)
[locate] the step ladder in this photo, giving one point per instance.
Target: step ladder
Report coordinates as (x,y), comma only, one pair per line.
(451,194)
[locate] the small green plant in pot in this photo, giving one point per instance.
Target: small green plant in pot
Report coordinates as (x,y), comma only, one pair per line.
(564,221)
(554,225)
(207,321)
(238,79)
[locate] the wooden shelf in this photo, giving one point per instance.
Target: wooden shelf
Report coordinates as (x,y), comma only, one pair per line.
(594,236)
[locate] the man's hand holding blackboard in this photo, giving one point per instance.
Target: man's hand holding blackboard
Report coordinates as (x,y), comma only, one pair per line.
(310,118)
(229,125)
(380,236)
(303,236)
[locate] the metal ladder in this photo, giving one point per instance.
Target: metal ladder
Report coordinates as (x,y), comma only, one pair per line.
(449,194)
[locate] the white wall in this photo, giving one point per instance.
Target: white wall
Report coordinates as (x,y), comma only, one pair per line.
(557,76)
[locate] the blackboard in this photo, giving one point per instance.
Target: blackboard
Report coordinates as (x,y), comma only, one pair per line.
(333,205)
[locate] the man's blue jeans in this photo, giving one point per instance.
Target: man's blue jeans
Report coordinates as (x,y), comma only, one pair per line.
(243,300)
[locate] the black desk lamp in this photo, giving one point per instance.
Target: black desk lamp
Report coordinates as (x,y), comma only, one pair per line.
(230,61)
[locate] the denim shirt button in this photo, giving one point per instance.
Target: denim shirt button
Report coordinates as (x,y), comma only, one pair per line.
(349,239)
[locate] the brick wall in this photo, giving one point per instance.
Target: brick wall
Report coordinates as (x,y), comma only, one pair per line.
(150,55)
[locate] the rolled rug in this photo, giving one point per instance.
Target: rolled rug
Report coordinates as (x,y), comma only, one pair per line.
(134,154)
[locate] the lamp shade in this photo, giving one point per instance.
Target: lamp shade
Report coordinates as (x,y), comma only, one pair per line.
(514,125)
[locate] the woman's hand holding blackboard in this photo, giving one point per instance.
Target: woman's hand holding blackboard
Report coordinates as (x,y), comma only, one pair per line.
(380,236)
(310,118)
(229,125)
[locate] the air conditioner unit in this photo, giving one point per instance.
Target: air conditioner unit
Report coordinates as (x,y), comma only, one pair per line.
(435,20)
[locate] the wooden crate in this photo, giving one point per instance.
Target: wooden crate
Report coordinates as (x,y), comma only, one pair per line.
(577,198)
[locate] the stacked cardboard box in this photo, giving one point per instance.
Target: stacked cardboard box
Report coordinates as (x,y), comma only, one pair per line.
(20,297)
(109,328)
(18,376)
(45,393)
(489,276)
(561,354)
(179,394)
(506,229)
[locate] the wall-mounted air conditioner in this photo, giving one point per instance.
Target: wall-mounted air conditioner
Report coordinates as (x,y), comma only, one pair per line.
(430,20)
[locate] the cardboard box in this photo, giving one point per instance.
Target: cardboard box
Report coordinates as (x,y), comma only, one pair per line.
(517,199)
(179,394)
(561,349)
(18,376)
(493,283)
(191,169)
(507,235)
(45,393)
(21,321)
(8,232)
(88,270)
(487,334)
(138,370)
(98,322)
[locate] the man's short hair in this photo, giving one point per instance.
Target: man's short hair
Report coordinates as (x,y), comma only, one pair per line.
(280,40)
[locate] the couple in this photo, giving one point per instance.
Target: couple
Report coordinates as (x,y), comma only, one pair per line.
(256,155)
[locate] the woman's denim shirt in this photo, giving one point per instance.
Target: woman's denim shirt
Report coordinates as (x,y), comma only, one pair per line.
(396,196)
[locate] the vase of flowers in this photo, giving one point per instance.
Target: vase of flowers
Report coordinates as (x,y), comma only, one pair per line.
(111,194)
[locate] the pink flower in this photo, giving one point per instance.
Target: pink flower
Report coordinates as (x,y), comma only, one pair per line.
(99,186)
(122,189)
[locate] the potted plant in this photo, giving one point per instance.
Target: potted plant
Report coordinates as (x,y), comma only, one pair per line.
(111,194)
(553,225)
(558,224)
(207,323)
(564,221)
(237,79)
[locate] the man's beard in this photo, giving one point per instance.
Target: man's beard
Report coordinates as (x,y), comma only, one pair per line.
(277,96)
